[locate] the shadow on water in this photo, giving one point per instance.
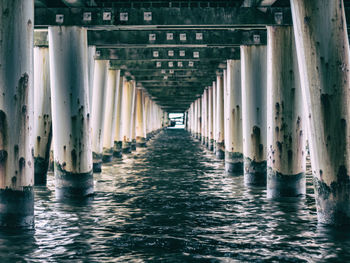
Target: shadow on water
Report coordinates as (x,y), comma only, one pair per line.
(173,202)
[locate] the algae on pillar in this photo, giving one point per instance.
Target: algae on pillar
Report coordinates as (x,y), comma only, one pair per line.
(127,111)
(118,137)
(323,57)
(133,119)
(253,70)
(110,122)
(16,113)
(70,111)
(285,132)
(210,120)
(42,114)
(140,119)
(220,129)
(98,112)
(233,119)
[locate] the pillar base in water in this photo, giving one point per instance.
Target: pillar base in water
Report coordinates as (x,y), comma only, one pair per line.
(40,171)
(220,150)
(332,202)
(133,145)
(97,162)
(107,156)
(254,172)
(17,208)
(126,147)
(117,151)
(281,185)
(140,142)
(210,145)
(234,163)
(73,185)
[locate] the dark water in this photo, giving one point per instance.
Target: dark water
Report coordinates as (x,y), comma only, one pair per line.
(172,202)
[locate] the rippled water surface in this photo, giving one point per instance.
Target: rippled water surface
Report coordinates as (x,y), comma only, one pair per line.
(173,202)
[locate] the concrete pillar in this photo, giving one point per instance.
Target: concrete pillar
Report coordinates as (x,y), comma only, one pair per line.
(140,119)
(233,119)
(42,114)
(285,132)
(118,137)
(323,57)
(70,111)
(110,121)
(16,113)
(207,117)
(220,128)
(91,69)
(98,112)
(210,119)
(199,119)
(195,115)
(133,120)
(214,116)
(203,128)
(127,104)
(147,116)
(254,114)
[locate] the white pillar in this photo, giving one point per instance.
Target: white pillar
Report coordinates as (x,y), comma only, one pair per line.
(91,69)
(127,104)
(233,119)
(70,111)
(118,137)
(323,57)
(220,128)
(285,132)
(98,112)
(140,119)
(113,78)
(42,114)
(254,113)
(214,116)
(133,120)
(210,119)
(16,113)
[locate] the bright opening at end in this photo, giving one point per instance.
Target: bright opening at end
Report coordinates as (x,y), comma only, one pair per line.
(176,120)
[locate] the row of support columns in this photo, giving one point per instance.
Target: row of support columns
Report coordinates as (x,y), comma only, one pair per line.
(261,106)
(85,108)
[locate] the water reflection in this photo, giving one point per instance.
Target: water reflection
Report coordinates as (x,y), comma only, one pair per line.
(173,202)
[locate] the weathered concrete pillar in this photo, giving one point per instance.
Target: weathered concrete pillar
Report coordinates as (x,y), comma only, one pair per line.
(110,121)
(91,70)
(285,133)
(195,117)
(207,117)
(140,119)
(203,114)
(220,128)
(70,111)
(118,137)
(210,119)
(254,75)
(199,120)
(98,112)
(16,113)
(127,104)
(233,119)
(42,114)
(133,120)
(323,57)
(214,116)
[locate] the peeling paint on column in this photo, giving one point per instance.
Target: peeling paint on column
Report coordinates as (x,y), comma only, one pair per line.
(253,59)
(285,138)
(70,112)
(323,56)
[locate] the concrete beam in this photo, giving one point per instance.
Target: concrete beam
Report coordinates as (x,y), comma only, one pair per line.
(171,38)
(154,17)
(156,65)
(159,54)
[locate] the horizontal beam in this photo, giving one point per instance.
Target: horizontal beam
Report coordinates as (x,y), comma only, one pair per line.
(158,54)
(123,18)
(177,73)
(169,38)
